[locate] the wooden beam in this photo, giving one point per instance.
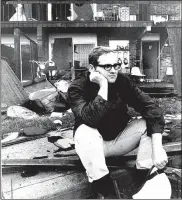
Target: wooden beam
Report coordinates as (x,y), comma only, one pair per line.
(54,185)
(26,36)
(17,53)
(133,2)
(80,1)
(86,24)
(60,162)
(74,160)
(169,148)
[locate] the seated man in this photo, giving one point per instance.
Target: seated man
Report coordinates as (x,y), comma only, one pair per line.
(103,127)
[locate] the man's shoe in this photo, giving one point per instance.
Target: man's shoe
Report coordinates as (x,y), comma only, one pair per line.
(109,196)
(100,196)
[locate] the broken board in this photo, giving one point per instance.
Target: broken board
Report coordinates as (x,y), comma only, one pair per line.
(46,185)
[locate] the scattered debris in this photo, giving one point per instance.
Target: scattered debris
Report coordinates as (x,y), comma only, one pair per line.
(53,137)
(33,131)
(11,137)
(36,106)
(59,122)
(69,111)
(29,172)
(46,96)
(41,94)
(21,112)
(16,124)
(63,143)
(56,114)
(62,85)
(4,108)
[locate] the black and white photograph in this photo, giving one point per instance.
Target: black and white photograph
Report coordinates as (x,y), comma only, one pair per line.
(91,99)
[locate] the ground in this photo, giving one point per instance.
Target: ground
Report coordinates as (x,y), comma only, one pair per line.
(169,105)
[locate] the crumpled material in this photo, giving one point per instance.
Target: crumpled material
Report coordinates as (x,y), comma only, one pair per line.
(21,112)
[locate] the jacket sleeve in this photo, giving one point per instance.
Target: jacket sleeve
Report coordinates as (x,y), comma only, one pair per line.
(90,112)
(145,105)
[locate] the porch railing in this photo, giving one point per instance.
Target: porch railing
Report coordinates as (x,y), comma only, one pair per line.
(125,11)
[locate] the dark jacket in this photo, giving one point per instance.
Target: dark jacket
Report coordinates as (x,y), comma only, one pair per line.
(110,117)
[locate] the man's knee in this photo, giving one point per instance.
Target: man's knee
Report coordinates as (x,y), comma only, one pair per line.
(87,136)
(140,126)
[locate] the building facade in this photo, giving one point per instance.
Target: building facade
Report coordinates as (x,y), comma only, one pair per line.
(65,32)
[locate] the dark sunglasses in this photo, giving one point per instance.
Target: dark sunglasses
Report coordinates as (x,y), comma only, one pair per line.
(108,67)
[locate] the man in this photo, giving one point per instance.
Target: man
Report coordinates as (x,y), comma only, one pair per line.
(103,127)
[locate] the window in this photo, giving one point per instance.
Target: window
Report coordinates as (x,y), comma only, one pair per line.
(122,48)
(159,18)
(81,52)
(132,17)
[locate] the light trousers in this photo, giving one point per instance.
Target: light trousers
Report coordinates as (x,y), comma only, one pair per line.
(92,149)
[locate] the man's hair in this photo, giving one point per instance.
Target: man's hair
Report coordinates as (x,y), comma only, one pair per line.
(96,53)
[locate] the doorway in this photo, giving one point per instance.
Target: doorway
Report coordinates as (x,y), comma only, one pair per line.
(150,50)
(63,53)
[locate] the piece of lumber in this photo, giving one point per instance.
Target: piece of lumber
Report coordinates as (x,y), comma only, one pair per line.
(169,147)
(47,185)
(70,161)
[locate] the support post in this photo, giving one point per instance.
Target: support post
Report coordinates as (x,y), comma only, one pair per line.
(17,53)
(40,42)
(174,34)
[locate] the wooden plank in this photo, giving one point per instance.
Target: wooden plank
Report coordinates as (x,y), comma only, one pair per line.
(17,53)
(60,162)
(26,36)
(74,160)
(46,185)
(169,148)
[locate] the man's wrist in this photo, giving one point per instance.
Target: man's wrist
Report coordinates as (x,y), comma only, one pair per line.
(156,140)
(103,83)
(103,92)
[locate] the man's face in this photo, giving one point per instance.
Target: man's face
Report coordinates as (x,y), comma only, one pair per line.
(108,59)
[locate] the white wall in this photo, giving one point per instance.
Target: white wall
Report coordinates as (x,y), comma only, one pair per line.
(9,39)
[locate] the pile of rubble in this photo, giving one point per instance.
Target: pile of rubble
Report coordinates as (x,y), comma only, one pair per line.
(46,106)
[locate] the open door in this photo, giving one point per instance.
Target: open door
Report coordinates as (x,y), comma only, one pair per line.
(149,57)
(26,65)
(63,53)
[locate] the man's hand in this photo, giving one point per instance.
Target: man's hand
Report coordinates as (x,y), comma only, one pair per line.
(98,78)
(159,155)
